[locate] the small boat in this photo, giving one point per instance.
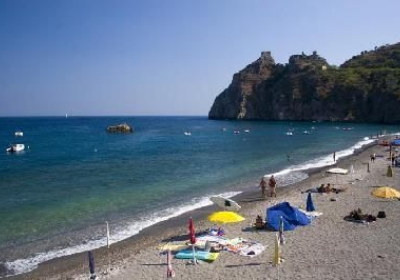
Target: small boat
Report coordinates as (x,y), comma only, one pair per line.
(289,133)
(15,148)
(223,129)
(236,132)
(187,133)
(306,132)
(19,133)
(312,127)
(247,130)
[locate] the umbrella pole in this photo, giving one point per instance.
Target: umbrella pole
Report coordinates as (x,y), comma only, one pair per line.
(194,255)
(108,246)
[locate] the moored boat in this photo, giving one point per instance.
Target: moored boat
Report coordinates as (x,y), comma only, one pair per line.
(15,148)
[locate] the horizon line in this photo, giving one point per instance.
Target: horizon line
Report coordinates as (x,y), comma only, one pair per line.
(96,116)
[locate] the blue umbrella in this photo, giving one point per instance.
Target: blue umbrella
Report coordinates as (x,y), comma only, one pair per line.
(310,205)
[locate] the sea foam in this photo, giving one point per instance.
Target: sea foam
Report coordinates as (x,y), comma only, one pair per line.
(319,162)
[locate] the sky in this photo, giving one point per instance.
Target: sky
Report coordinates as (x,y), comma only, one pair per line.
(165,57)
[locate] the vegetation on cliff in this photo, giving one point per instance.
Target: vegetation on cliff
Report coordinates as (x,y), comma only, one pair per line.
(365,88)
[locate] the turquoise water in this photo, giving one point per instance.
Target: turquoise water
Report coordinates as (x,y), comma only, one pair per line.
(75,176)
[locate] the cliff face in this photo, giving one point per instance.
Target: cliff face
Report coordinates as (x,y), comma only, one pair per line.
(365,88)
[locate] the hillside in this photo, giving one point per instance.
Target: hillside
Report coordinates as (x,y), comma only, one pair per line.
(365,88)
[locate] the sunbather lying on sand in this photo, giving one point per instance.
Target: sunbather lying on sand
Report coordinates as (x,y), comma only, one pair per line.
(325,189)
(358,216)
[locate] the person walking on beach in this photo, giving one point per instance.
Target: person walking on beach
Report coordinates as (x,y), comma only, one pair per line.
(263,186)
(272,186)
(334,156)
(373,156)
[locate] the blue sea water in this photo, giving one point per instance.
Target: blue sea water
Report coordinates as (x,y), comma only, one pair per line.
(56,196)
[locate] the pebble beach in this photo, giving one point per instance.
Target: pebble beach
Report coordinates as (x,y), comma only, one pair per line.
(329,248)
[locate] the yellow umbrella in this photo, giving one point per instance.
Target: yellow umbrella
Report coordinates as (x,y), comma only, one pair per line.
(386,192)
(225,217)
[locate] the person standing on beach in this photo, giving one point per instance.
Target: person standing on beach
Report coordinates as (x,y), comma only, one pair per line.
(263,186)
(334,156)
(272,186)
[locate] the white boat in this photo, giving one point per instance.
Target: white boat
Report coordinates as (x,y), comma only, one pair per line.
(187,133)
(19,133)
(15,148)
(306,132)
(247,130)
(236,132)
(289,133)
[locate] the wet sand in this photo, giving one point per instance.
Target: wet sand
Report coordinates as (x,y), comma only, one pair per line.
(330,248)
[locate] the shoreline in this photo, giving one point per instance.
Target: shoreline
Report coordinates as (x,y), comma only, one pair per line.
(150,236)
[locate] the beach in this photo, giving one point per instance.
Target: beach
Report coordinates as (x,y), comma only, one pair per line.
(329,248)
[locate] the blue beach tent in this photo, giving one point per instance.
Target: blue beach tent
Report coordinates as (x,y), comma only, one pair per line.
(291,217)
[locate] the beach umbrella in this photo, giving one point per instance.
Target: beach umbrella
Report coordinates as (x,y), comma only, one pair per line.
(386,192)
(310,205)
(91,266)
(281,229)
(108,235)
(389,171)
(192,234)
(277,259)
(224,217)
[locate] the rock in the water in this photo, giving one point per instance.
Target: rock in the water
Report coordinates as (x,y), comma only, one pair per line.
(120,128)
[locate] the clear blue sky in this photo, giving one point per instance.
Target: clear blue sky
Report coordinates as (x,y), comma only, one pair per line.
(165,57)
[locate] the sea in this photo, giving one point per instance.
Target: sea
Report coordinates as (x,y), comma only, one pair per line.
(73,176)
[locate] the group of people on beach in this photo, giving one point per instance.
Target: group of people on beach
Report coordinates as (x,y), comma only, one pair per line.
(272,186)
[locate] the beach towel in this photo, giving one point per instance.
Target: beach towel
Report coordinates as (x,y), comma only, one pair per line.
(252,250)
(173,246)
(311,214)
(200,255)
(211,238)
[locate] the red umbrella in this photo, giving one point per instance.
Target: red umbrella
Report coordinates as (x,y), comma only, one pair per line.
(192,232)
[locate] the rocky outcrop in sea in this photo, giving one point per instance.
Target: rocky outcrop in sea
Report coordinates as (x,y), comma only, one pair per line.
(120,128)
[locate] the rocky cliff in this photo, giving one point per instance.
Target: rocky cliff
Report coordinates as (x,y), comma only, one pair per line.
(365,88)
